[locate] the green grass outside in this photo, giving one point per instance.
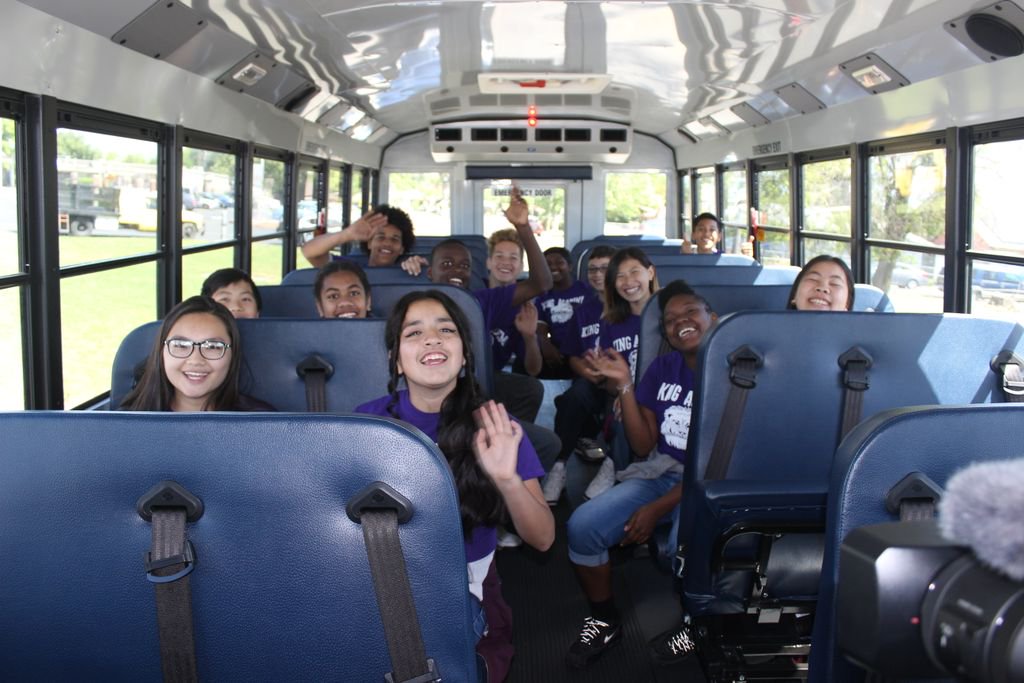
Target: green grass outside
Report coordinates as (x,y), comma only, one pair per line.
(99,309)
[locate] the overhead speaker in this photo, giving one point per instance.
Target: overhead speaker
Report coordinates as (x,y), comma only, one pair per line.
(994,32)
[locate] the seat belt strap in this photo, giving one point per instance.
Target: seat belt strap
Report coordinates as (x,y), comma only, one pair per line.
(855,364)
(743,365)
(168,565)
(170,560)
(315,371)
(379,509)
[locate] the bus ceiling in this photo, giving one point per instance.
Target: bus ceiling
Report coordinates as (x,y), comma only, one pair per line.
(684,72)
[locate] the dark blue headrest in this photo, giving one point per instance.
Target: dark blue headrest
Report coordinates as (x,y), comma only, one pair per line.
(281,588)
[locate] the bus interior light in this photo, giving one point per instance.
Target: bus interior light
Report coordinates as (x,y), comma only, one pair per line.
(872,73)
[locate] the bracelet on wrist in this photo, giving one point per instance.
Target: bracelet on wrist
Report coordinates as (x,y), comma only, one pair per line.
(625,388)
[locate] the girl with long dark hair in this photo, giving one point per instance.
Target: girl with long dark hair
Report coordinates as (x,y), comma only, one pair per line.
(495,467)
(195,363)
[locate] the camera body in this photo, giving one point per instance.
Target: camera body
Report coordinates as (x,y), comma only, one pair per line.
(911,604)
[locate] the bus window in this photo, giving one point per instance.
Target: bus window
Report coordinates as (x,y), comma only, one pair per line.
(10,262)
(635,202)
(12,380)
(426,197)
(308,209)
(908,204)
(356,194)
(827,209)
(996,208)
(97,310)
(267,195)
(772,203)
(997,290)
(335,206)
(195,268)
(706,190)
(208,186)
(106,188)
(734,208)
(913,282)
(684,205)
(547,210)
(815,247)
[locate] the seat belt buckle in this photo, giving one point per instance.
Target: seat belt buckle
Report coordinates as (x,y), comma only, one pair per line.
(432,675)
(1010,385)
(187,557)
(855,363)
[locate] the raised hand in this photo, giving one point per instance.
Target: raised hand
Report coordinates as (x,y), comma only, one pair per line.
(518,211)
(496,442)
(362,230)
(526,319)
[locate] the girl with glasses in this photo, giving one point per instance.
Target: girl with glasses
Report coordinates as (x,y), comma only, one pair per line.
(194,364)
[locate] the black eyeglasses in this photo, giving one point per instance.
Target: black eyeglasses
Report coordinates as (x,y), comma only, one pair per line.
(597,269)
(210,349)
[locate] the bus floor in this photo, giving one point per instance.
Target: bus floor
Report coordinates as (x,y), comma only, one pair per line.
(548,609)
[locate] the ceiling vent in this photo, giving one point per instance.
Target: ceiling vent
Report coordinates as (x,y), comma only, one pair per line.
(994,32)
(577,84)
(562,140)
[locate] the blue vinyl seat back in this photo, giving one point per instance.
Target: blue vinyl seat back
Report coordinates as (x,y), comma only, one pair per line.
(288,301)
(577,255)
(878,453)
(726,299)
(281,589)
(271,350)
(300,276)
(698,275)
(723,299)
(790,427)
(791,423)
(871,298)
(665,256)
(273,347)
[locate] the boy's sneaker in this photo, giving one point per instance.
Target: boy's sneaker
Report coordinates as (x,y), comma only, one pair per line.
(595,637)
(602,481)
(554,482)
(590,450)
(673,645)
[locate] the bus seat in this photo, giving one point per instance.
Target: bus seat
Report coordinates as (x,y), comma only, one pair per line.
(777,479)
(723,299)
(297,302)
(281,587)
(728,275)
(577,255)
(669,256)
(274,347)
(300,276)
(288,301)
(871,298)
(388,275)
(875,455)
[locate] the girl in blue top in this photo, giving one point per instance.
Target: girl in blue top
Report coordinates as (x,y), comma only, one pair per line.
(495,468)
(656,417)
